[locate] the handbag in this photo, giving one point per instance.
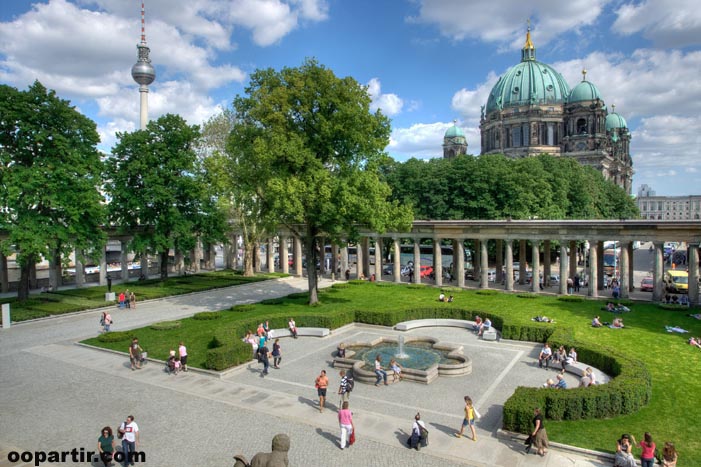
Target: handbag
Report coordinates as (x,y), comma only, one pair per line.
(351,440)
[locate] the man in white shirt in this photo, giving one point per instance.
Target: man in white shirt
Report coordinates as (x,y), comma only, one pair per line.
(545,355)
(130,440)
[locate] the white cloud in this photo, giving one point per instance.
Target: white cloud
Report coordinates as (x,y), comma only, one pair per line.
(469,101)
(668,23)
(503,20)
(390,104)
(424,140)
(314,10)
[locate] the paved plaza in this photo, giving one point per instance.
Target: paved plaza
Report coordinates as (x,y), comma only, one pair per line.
(56,396)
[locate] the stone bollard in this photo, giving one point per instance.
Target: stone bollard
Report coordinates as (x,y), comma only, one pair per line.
(6,321)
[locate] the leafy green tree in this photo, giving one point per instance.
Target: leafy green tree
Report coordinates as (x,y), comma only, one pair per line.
(50,179)
(233,187)
(315,149)
(157,191)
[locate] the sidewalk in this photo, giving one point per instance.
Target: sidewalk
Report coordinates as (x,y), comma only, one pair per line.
(198,419)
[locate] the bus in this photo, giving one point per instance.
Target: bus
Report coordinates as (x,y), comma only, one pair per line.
(611,261)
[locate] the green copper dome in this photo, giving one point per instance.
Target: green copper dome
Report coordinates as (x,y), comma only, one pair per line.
(454,131)
(529,82)
(584,91)
(615,121)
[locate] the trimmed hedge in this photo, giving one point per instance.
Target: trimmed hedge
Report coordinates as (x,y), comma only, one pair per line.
(165,325)
(115,336)
(207,315)
(527,295)
(486,292)
(243,308)
(570,298)
(340,285)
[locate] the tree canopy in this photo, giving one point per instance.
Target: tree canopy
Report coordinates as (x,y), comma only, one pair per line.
(50,179)
(497,187)
(156,189)
(313,148)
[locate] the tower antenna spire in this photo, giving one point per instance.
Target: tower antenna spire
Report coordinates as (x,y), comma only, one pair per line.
(143,23)
(142,71)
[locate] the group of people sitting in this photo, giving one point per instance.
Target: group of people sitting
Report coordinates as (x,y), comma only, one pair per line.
(676,300)
(481,325)
(616,324)
(616,308)
(442,298)
(695,341)
(562,357)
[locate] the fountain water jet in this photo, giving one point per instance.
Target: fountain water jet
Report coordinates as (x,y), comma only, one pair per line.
(401,353)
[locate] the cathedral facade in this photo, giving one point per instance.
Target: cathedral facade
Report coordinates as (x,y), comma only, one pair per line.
(531,110)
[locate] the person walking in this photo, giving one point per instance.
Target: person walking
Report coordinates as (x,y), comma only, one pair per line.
(264,357)
(539,435)
(321,383)
(379,372)
(277,354)
(135,352)
(105,446)
(132,301)
(468,420)
(419,433)
(106,321)
(130,439)
(343,388)
(127,296)
(182,351)
(345,421)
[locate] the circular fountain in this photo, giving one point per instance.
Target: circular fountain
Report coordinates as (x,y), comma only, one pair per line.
(423,359)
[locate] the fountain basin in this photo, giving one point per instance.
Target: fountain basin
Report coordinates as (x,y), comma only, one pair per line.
(450,360)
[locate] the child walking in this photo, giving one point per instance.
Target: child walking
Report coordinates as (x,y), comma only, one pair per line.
(468,420)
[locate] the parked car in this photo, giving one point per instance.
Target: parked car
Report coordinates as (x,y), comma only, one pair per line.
(676,281)
(388,269)
(647,284)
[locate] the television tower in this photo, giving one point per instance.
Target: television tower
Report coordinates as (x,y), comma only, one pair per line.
(143,72)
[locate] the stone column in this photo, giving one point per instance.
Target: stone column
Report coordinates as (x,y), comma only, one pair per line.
(600,266)
(360,255)
(509,256)
(693,262)
(593,289)
(484,264)
(197,256)
(378,258)
(477,262)
(124,260)
(103,268)
(345,266)
(79,269)
(4,282)
(179,262)
(563,268)
(625,261)
(535,259)
(500,261)
(397,263)
(298,256)
(284,254)
(459,249)
(270,255)
(437,262)
(547,268)
(335,261)
(522,262)
(631,267)
(366,257)
(417,261)
(658,291)
(573,258)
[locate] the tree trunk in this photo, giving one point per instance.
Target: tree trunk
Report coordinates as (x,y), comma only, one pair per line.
(248,257)
(164,264)
(312,255)
(23,286)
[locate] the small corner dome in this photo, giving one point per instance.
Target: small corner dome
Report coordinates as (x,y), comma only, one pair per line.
(584,91)
(615,121)
(454,131)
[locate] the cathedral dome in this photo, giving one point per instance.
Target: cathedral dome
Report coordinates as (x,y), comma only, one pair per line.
(584,91)
(454,131)
(529,82)
(615,121)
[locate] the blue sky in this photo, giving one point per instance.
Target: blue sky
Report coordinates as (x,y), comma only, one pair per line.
(426,62)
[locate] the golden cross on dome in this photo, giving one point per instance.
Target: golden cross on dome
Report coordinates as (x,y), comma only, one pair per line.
(584,74)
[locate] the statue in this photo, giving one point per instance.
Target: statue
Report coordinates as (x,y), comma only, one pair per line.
(277,458)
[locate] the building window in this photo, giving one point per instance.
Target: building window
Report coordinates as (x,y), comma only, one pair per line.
(581,126)
(551,135)
(525,135)
(516,137)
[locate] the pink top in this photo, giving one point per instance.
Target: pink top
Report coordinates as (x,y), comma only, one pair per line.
(183,351)
(345,417)
(648,450)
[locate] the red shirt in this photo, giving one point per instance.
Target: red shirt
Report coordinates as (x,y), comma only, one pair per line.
(648,451)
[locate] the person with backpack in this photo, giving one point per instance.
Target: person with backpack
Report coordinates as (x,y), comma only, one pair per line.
(345,388)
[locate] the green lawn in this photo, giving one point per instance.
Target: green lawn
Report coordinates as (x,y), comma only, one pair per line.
(674,364)
(71,300)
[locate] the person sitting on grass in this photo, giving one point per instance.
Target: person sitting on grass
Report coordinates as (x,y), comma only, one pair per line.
(596,322)
(695,341)
(610,307)
(617,324)
(441,297)
(684,301)
(450,299)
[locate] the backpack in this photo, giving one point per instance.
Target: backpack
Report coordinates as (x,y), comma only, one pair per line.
(350,382)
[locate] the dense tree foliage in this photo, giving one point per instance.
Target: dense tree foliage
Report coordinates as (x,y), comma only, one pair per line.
(497,187)
(157,190)
(311,147)
(49,181)
(234,187)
